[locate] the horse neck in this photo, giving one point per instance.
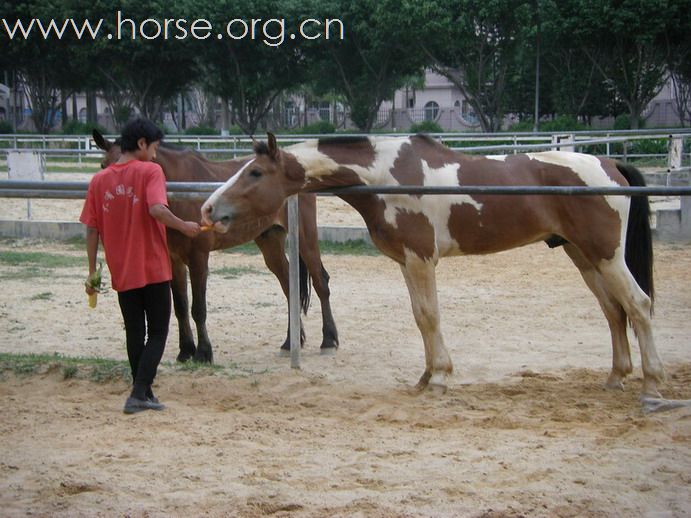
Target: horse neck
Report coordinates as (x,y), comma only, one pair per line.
(190,166)
(330,170)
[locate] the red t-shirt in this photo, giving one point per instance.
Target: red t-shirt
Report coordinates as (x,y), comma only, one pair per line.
(117,205)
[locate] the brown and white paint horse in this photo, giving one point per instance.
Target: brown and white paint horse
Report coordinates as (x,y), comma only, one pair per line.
(607,237)
(268,232)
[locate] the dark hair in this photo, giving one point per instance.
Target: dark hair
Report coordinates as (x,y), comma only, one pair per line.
(136,129)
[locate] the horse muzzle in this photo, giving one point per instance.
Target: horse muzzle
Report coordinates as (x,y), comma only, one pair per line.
(219,215)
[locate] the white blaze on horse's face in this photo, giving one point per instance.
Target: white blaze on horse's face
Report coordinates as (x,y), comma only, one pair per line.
(216,210)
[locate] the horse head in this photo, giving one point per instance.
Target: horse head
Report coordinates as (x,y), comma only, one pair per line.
(257,191)
(112,149)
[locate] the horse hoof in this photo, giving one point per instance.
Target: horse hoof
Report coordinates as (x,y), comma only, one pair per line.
(184,356)
(652,404)
(203,358)
(614,385)
(328,351)
(436,389)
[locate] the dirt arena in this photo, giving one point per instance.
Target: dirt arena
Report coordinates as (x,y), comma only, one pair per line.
(526,428)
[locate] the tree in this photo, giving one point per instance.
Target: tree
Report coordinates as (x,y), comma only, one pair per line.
(679,57)
(377,54)
(147,71)
(474,44)
(626,42)
(43,65)
(249,64)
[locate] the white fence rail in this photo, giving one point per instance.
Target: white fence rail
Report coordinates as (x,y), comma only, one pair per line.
(79,146)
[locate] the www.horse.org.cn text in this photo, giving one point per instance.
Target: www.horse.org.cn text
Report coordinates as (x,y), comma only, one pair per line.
(271,31)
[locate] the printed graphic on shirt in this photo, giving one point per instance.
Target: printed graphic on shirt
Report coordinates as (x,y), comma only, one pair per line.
(120,190)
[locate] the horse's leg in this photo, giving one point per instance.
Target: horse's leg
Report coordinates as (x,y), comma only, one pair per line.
(420,278)
(614,313)
(199,273)
(181,304)
(272,246)
(623,287)
(309,251)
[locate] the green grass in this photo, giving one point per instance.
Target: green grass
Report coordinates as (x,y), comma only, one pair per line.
(233,272)
(93,369)
(33,265)
(46,295)
(86,169)
(40,259)
(357,247)
(102,370)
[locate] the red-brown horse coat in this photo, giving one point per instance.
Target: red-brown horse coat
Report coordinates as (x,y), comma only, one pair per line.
(416,230)
(193,253)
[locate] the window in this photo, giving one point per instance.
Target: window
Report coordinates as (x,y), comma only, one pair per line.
(431,111)
(468,113)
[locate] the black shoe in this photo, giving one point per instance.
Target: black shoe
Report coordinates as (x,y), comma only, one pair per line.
(134,405)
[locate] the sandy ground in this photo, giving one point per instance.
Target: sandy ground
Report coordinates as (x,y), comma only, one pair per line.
(525,429)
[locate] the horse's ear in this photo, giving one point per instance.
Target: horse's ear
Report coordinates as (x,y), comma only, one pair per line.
(273,146)
(101,141)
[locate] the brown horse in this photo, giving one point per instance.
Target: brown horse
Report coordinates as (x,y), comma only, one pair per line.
(268,232)
(607,237)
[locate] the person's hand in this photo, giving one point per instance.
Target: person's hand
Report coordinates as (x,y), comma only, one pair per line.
(191,229)
(88,288)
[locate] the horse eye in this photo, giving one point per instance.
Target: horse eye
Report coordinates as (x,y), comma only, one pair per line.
(255,173)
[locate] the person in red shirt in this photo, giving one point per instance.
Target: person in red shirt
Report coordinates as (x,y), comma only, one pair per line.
(126,209)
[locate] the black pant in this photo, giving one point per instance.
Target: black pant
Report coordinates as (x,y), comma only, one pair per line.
(146,311)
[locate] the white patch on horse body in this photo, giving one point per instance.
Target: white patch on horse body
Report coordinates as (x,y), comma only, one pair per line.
(436,208)
(315,163)
(589,169)
(500,158)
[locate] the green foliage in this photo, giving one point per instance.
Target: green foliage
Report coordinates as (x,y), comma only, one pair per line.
(201,130)
(426,127)
(6,127)
(623,122)
(378,54)
(248,72)
(563,123)
(316,128)
(82,128)
(649,146)
(525,125)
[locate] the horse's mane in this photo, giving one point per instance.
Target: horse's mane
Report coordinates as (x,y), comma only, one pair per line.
(261,148)
(170,147)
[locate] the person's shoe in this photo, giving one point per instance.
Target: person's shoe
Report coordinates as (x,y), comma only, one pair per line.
(150,395)
(134,405)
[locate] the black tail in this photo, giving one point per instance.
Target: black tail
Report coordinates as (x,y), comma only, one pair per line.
(639,242)
(305,287)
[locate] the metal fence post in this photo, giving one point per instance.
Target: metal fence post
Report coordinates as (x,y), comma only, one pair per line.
(294,281)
